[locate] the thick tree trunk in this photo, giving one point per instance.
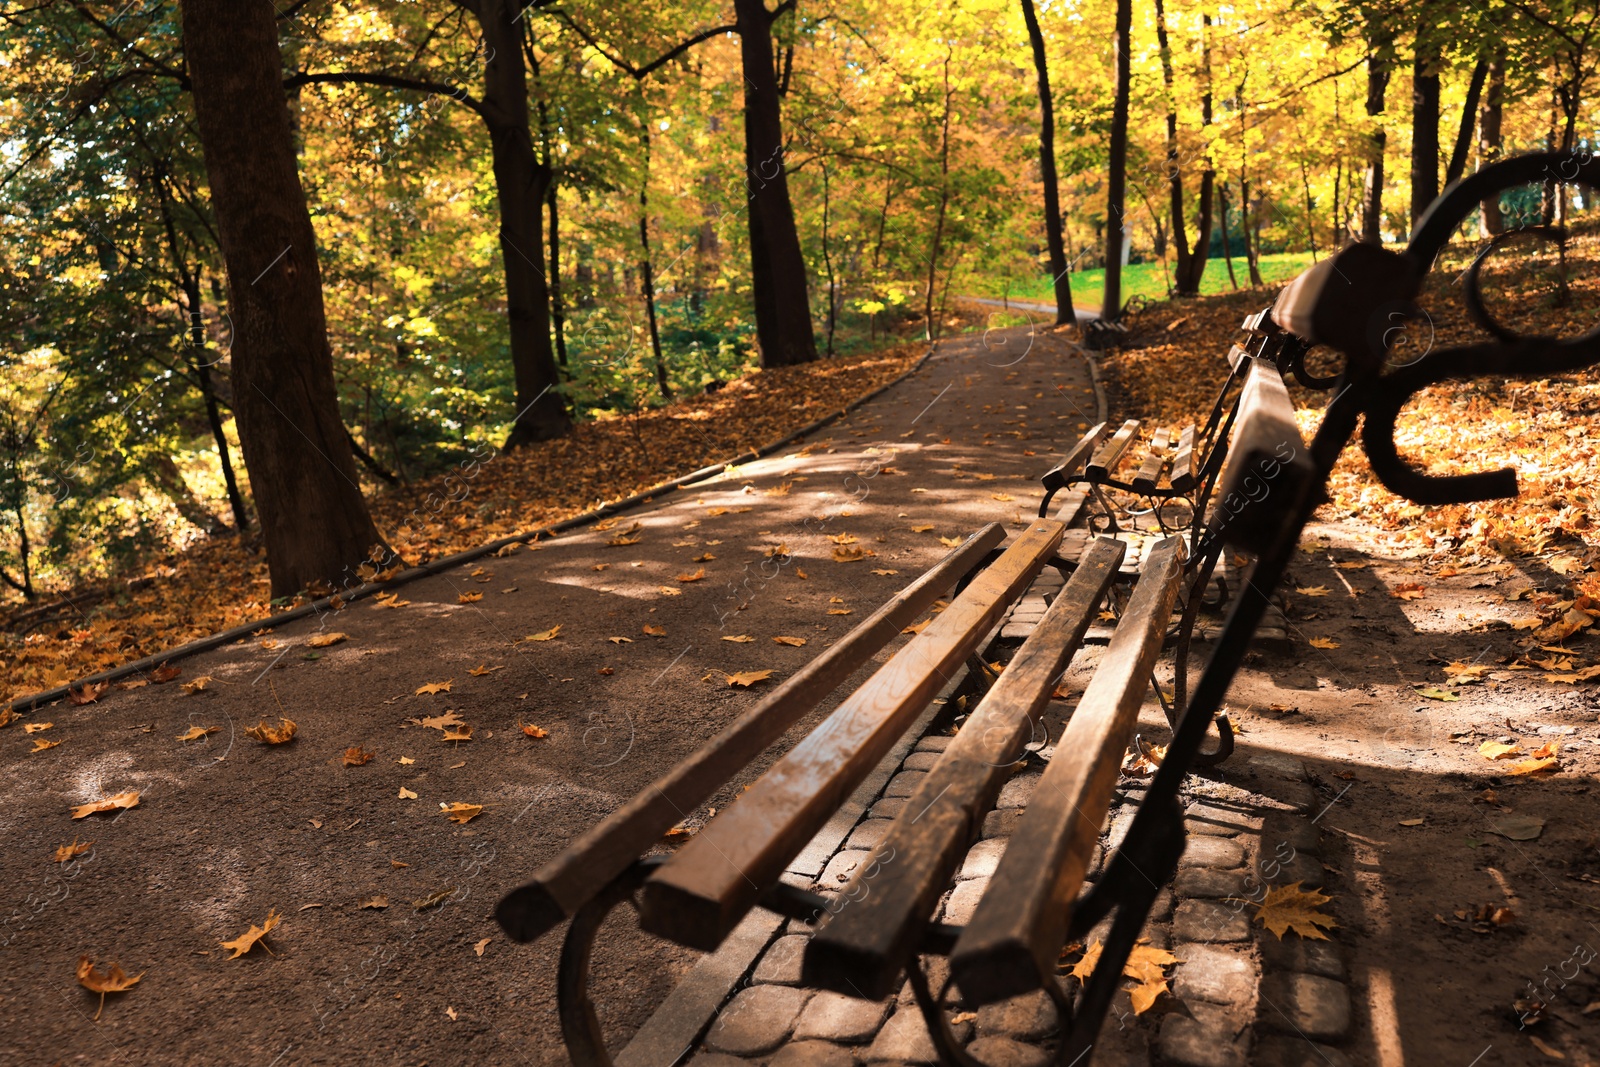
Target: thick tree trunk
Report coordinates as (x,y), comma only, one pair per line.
(1065,315)
(314,522)
(1372,194)
(521,182)
(1188,281)
(1117,170)
(1424,130)
(778,270)
(1469,121)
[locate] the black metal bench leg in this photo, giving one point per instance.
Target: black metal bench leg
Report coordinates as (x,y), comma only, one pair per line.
(944,1039)
(580,1028)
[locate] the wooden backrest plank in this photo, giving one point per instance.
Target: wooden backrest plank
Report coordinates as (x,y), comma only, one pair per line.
(1057,477)
(1183,461)
(1267,458)
(1110,453)
(590,862)
(708,885)
(863,947)
(1150,470)
(1011,944)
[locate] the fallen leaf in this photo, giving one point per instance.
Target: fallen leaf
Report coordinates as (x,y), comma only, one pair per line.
(406,794)
(668,590)
(40,745)
(469,598)
(1324,642)
(695,577)
(620,640)
(850,555)
(355,756)
(196,685)
(839,611)
(461,813)
(1548,749)
(739,639)
(1412,822)
(324,640)
(273,735)
(704,557)
(405,760)
(86,694)
(1517,827)
(450,1011)
(534,731)
(885,573)
(130,799)
(1495,750)
(1352,566)
(746,679)
(546,635)
(36,727)
(253,936)
(1546,1048)
(1288,907)
(431,688)
(654,631)
(794,642)
(439,722)
(950,542)
(1533,766)
(1085,966)
(922,529)
(375,903)
(433,900)
(1435,693)
(481,670)
(195,733)
(165,673)
(481,945)
(77,848)
(460,733)
(1314,590)
(1408,591)
(111,980)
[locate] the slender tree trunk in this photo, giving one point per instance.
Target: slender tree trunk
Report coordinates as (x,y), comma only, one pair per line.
(1424,129)
(778,270)
(1469,120)
(1337,226)
(1547,198)
(1117,170)
(1188,281)
(314,521)
(647,276)
(201,369)
(1372,200)
(1311,216)
(1061,277)
(1227,253)
(931,327)
(1180,240)
(827,261)
(558,309)
(1252,239)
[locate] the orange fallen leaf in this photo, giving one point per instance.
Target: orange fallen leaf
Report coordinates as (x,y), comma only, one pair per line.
(1313,590)
(546,635)
(439,722)
(459,812)
(793,642)
(86,694)
(1548,749)
(950,542)
(1493,750)
(253,936)
(196,685)
(165,673)
(130,799)
(112,980)
(922,529)
(36,727)
(1534,766)
(883,572)
(375,902)
(406,794)
(704,557)
(1288,907)
(534,731)
(480,946)
(480,671)
(746,679)
(355,756)
(40,744)
(195,733)
(468,598)
(325,640)
(739,639)
(620,640)
(436,687)
(460,733)
(1408,591)
(1324,643)
(273,735)
(695,577)
(654,631)
(77,848)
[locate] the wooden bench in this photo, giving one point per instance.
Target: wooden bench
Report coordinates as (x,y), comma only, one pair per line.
(880,923)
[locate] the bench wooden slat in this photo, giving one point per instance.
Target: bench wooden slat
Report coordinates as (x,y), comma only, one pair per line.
(1110,453)
(589,863)
(1235,354)
(1154,463)
(1015,936)
(1268,463)
(1056,477)
(863,947)
(705,889)
(1183,461)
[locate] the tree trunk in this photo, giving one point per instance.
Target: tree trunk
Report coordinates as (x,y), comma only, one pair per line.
(777,269)
(647,274)
(1117,170)
(1372,198)
(1469,119)
(1424,130)
(521,182)
(1188,281)
(930,324)
(827,261)
(1227,253)
(1311,216)
(1180,239)
(201,369)
(558,309)
(314,521)
(1062,278)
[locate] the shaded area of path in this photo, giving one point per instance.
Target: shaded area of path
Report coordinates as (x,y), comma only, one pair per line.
(228,829)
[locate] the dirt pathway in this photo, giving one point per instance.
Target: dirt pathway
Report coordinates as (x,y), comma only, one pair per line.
(386,952)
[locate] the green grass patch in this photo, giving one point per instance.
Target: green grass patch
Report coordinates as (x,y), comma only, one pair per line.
(1144,279)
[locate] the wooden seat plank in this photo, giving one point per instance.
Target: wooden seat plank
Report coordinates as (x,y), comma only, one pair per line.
(1110,454)
(1183,461)
(1011,944)
(1268,463)
(1058,476)
(590,862)
(705,889)
(1154,463)
(863,947)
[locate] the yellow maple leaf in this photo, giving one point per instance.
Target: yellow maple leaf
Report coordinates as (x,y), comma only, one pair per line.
(546,635)
(739,639)
(273,735)
(195,733)
(130,799)
(324,640)
(1324,642)
(355,756)
(850,555)
(40,745)
(430,688)
(695,577)
(406,794)
(1313,590)
(36,727)
(922,529)
(459,812)
(534,731)
(1495,750)
(654,631)
(196,685)
(1288,907)
(253,936)
(111,980)
(482,669)
(745,679)
(77,848)
(468,598)
(1533,766)
(950,542)
(794,642)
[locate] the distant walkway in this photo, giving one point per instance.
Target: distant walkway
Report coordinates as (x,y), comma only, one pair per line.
(1085,315)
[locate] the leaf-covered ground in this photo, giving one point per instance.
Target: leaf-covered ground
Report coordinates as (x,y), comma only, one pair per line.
(222,583)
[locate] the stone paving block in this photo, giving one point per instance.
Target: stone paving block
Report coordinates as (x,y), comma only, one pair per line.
(904,1038)
(1278,765)
(1002,822)
(1204,1039)
(1004,1052)
(1017,631)
(1307,1004)
(1031,1016)
(1016,792)
(836,1017)
(1209,972)
(839,869)
(1219,820)
(1210,920)
(1161,907)
(934,743)
(920,761)
(888,808)
(717,1059)
(1121,820)
(780,964)
(1210,884)
(756,1021)
(1300,867)
(867,834)
(1298,954)
(1278,1051)
(1222,853)
(904,784)
(1298,833)
(982,859)
(964,900)
(811,1054)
